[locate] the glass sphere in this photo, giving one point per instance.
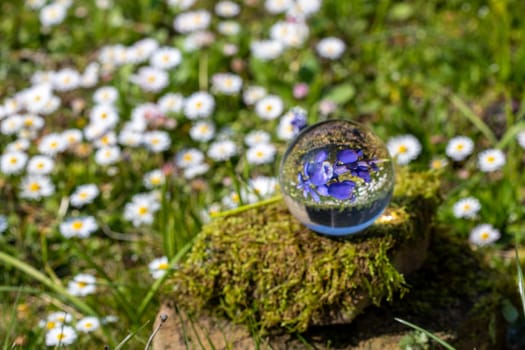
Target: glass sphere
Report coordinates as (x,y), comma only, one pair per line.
(337,177)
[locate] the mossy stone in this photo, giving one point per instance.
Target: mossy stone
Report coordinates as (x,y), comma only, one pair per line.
(263,268)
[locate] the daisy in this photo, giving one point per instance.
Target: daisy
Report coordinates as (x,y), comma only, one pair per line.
(130,138)
(228,28)
(154,178)
(222,150)
(308,7)
(266,50)
(263,186)
(256,137)
(12,105)
(269,107)
(252,94)
(202,131)
(331,48)
(491,160)
(189,157)
(94,131)
(36,187)
(197,40)
(19,145)
(466,208)
(51,106)
(72,136)
(291,124)
(13,162)
(64,335)
(438,163)
(158,267)
(82,284)
(52,14)
(84,194)
(40,165)
(37,97)
(227,83)
(156,141)
(261,153)
(141,209)
(32,122)
(151,79)
(181,4)
(106,140)
(459,148)
(192,21)
(277,6)
(196,170)
(230,49)
(199,105)
(290,34)
(483,235)
(12,124)
(404,148)
(88,324)
(51,144)
(35,4)
(66,79)
(107,155)
(60,317)
(521,139)
(90,76)
(171,102)
(105,95)
(142,50)
(227,9)
(166,58)
(81,227)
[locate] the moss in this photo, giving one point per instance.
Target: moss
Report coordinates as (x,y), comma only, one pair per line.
(262,266)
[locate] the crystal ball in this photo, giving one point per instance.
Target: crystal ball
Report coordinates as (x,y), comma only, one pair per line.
(336,177)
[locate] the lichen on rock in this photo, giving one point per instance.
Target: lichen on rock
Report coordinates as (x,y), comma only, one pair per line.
(262,267)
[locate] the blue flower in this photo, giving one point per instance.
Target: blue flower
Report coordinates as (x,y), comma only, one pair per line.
(306,186)
(341,190)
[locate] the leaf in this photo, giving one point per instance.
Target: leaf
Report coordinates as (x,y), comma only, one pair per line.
(401,12)
(434,337)
(341,94)
(520,279)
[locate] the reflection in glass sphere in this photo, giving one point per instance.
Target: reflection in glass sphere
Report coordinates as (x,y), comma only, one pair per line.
(337,177)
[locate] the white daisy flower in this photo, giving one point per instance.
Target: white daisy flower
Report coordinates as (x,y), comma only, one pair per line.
(166,58)
(66,79)
(94,131)
(60,317)
(154,178)
(331,48)
(171,102)
(64,335)
(42,77)
(156,141)
(192,21)
(32,122)
(107,155)
(521,139)
(261,153)
(278,6)
(222,150)
(52,106)
(227,9)
(37,97)
(459,148)
(151,79)
(228,28)
(82,284)
(141,210)
(264,186)
(40,165)
(188,158)
(52,14)
(404,148)
(202,131)
(106,140)
(84,194)
(197,40)
(466,208)
(483,235)
(13,105)
(51,144)
(252,94)
(81,227)
(227,83)
(256,137)
(290,34)
(181,4)
(130,138)
(90,76)
(19,145)
(266,50)
(88,324)
(105,95)
(199,105)
(196,170)
(233,200)
(269,107)
(286,130)
(158,267)
(36,187)
(491,160)
(13,162)
(309,7)
(12,124)
(35,4)
(144,48)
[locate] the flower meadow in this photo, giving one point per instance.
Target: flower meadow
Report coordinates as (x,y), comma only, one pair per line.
(125,125)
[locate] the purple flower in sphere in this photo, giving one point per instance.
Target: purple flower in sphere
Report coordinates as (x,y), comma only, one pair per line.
(320,173)
(341,190)
(349,156)
(306,186)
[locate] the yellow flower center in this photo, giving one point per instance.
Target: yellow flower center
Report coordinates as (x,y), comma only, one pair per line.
(402,149)
(143,210)
(491,159)
(34,187)
(163,266)
(50,325)
(77,225)
(13,160)
(484,236)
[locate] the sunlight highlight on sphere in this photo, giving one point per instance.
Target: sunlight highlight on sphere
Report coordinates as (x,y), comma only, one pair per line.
(337,177)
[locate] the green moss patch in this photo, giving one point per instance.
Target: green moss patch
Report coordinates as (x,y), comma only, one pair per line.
(262,267)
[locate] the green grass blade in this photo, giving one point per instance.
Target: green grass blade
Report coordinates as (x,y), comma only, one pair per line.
(520,279)
(473,118)
(130,336)
(434,337)
(40,277)
(510,135)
